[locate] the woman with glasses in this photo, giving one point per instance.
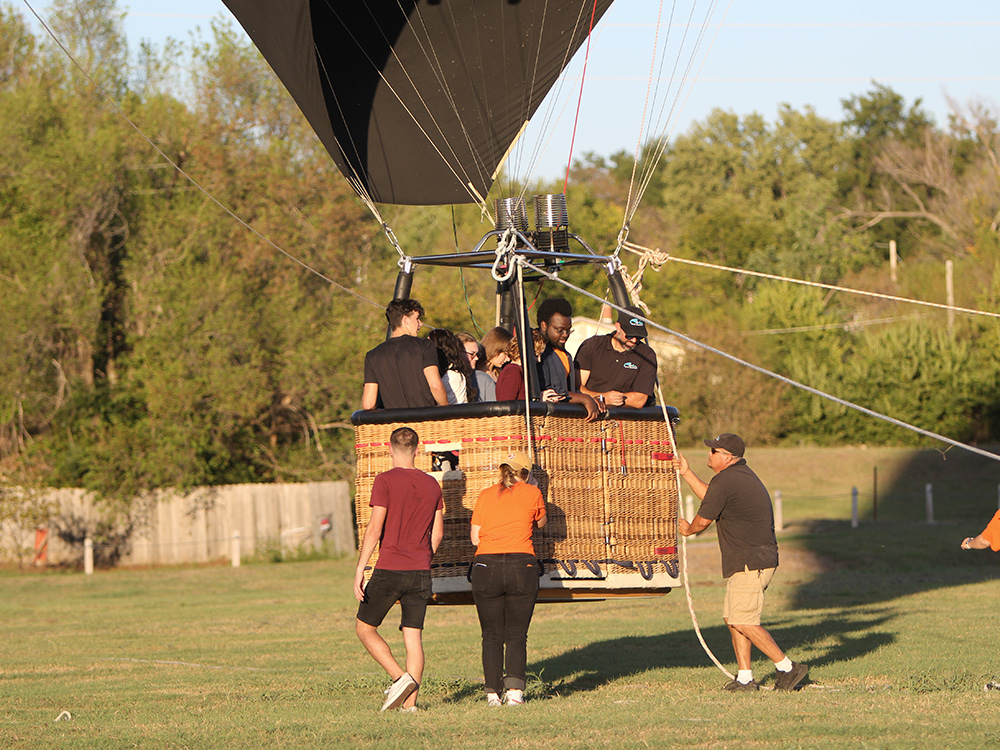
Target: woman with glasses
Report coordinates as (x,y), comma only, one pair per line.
(474,355)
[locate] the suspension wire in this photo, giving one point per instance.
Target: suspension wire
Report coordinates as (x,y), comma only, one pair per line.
(118,110)
(763,371)
(461,271)
(832,326)
(657,152)
(661,257)
(579,100)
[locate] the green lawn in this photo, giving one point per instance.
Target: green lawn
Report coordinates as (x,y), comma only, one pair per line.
(897,624)
(899,632)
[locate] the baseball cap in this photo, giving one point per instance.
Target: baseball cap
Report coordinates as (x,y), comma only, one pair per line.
(631,322)
(517,461)
(728,442)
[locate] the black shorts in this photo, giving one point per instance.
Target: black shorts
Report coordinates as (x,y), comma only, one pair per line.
(411,588)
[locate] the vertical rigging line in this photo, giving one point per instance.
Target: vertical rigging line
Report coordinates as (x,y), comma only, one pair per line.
(583,78)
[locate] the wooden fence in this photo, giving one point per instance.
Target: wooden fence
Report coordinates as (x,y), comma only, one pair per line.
(169,528)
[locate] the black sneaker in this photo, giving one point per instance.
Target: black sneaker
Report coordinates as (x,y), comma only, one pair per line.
(735,686)
(790,680)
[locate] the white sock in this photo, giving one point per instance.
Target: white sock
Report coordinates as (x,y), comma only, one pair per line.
(744,676)
(785,665)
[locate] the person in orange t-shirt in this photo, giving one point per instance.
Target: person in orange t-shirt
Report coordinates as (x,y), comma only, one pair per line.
(989,538)
(505,575)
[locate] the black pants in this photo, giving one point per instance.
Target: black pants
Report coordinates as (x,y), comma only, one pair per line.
(505,588)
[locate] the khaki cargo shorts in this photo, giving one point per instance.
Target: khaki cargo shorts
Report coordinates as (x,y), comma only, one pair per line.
(745,596)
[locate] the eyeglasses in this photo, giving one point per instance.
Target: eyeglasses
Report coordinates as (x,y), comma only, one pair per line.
(561,331)
(632,338)
(724,453)
(472,355)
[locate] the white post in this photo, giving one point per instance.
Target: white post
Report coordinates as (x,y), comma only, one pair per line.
(88,556)
(235,549)
(689,508)
(929,493)
(949,284)
(854,507)
(779,514)
(892,261)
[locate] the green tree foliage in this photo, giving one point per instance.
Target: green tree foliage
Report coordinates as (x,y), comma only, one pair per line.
(151,339)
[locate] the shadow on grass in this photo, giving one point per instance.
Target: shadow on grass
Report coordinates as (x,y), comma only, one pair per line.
(834,639)
(880,562)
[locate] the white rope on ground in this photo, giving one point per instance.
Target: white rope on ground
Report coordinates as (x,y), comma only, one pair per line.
(658,257)
(768,373)
(684,565)
(118,110)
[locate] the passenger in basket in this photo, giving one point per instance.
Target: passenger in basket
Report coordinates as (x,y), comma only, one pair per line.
(453,364)
(739,504)
(556,370)
(505,575)
(485,385)
(496,344)
(617,368)
(407,523)
(510,384)
(391,380)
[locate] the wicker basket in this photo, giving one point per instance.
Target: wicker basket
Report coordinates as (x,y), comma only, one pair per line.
(610,488)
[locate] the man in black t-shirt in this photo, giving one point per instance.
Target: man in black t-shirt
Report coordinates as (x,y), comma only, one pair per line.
(617,368)
(740,505)
(402,372)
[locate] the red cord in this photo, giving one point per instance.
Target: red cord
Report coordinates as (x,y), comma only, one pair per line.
(576,119)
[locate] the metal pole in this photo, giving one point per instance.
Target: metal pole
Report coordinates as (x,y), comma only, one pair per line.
(854,507)
(689,508)
(892,261)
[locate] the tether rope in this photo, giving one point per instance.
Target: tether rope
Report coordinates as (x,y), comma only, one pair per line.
(185,175)
(658,257)
(579,100)
(763,371)
(684,564)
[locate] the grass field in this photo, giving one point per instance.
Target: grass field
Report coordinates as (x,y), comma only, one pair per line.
(897,624)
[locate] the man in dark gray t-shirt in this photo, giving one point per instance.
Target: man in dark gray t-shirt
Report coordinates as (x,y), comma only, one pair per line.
(740,505)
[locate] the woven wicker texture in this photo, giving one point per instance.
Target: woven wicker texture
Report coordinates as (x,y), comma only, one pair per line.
(596,512)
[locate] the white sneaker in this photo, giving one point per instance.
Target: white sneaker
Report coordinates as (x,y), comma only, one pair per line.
(492,699)
(399,691)
(515,697)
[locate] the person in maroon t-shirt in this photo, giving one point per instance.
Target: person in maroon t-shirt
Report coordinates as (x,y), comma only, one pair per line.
(407,523)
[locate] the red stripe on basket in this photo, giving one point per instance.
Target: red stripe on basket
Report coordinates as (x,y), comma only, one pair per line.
(500,437)
(545,437)
(482,440)
(664,550)
(663,456)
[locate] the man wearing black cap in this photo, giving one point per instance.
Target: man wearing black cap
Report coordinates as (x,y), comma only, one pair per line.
(740,505)
(618,368)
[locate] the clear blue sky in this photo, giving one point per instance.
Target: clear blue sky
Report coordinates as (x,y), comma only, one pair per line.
(762,53)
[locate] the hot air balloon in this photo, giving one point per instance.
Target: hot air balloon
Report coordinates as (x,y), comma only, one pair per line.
(420,102)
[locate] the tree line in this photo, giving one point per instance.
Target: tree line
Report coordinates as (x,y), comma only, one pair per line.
(152,340)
